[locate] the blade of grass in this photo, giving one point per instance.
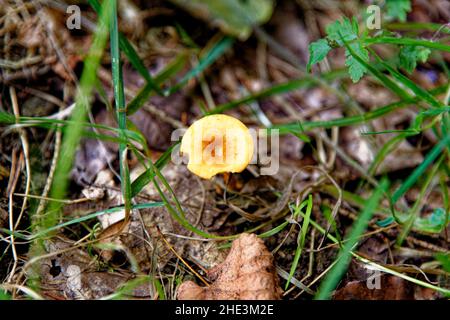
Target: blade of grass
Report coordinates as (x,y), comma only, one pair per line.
(177,212)
(209,58)
(81,219)
(131,54)
(71,140)
(419,26)
(4,295)
(119,99)
(385,150)
(415,210)
(353,120)
(65,126)
(159,289)
(276,89)
(145,93)
(419,171)
(420,92)
(408,41)
(302,238)
(128,287)
(144,178)
(274,231)
(333,277)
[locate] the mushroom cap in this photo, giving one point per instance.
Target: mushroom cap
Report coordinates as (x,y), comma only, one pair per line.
(216,144)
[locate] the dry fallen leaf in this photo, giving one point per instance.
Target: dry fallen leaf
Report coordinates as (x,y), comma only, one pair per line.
(248,273)
(390,288)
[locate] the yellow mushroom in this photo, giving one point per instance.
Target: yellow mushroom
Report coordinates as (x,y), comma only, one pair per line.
(217,144)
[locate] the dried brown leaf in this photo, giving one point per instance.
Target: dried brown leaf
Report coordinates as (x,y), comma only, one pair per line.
(248,273)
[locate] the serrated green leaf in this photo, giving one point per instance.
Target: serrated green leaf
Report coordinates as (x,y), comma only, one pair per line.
(318,50)
(409,55)
(235,17)
(355,68)
(379,75)
(347,29)
(397,9)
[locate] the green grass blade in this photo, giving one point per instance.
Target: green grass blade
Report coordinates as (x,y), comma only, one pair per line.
(71,140)
(159,289)
(177,211)
(418,26)
(420,92)
(353,120)
(131,54)
(119,98)
(145,93)
(78,220)
(301,244)
(65,126)
(274,90)
(97,214)
(145,178)
(413,215)
(334,276)
(408,41)
(419,171)
(210,57)
(274,231)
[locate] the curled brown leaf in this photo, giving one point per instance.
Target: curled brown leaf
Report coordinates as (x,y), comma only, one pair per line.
(248,273)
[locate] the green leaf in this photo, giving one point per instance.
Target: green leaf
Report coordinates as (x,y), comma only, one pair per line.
(397,9)
(317,52)
(344,32)
(234,17)
(4,295)
(409,55)
(355,68)
(434,223)
(444,259)
(385,222)
(347,29)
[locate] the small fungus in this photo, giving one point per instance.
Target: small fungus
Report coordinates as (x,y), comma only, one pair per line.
(217,144)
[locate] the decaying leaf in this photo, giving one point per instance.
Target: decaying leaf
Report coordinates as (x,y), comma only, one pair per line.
(387,288)
(248,273)
(232,16)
